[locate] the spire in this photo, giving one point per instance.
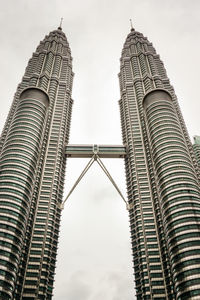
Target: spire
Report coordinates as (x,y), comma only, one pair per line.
(132,29)
(60,27)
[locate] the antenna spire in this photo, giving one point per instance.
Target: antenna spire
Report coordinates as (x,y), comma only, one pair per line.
(131,25)
(60,27)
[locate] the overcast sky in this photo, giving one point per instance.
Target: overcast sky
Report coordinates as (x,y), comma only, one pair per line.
(94,257)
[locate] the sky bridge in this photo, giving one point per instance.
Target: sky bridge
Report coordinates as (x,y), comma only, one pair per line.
(103,151)
(95,153)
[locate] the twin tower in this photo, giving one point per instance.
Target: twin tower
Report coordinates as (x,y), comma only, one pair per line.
(161,170)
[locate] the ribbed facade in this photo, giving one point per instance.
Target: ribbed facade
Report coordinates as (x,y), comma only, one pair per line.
(162,178)
(196,147)
(32,164)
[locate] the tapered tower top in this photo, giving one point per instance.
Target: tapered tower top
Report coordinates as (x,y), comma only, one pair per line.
(133,43)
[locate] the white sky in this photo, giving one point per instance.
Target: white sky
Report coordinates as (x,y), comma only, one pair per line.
(94,258)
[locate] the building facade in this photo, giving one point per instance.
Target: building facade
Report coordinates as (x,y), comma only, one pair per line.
(162,178)
(196,147)
(161,170)
(32,165)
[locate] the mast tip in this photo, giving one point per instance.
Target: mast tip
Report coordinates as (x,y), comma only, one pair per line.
(60,27)
(131,25)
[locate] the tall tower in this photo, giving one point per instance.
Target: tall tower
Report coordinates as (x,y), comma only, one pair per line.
(161,170)
(32,164)
(162,180)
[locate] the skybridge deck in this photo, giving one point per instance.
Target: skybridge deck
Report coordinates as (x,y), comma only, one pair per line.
(103,151)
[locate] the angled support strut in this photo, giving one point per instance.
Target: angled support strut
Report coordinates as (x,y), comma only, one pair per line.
(103,167)
(94,158)
(79,179)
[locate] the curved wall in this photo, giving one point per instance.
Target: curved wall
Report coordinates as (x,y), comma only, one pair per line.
(18,167)
(178,189)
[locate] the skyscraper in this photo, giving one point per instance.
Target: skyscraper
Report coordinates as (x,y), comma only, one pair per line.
(161,170)
(162,178)
(32,171)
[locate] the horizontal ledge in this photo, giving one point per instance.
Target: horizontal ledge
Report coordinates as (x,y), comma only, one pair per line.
(103,151)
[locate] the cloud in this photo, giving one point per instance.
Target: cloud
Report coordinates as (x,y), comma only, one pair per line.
(112,286)
(75,288)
